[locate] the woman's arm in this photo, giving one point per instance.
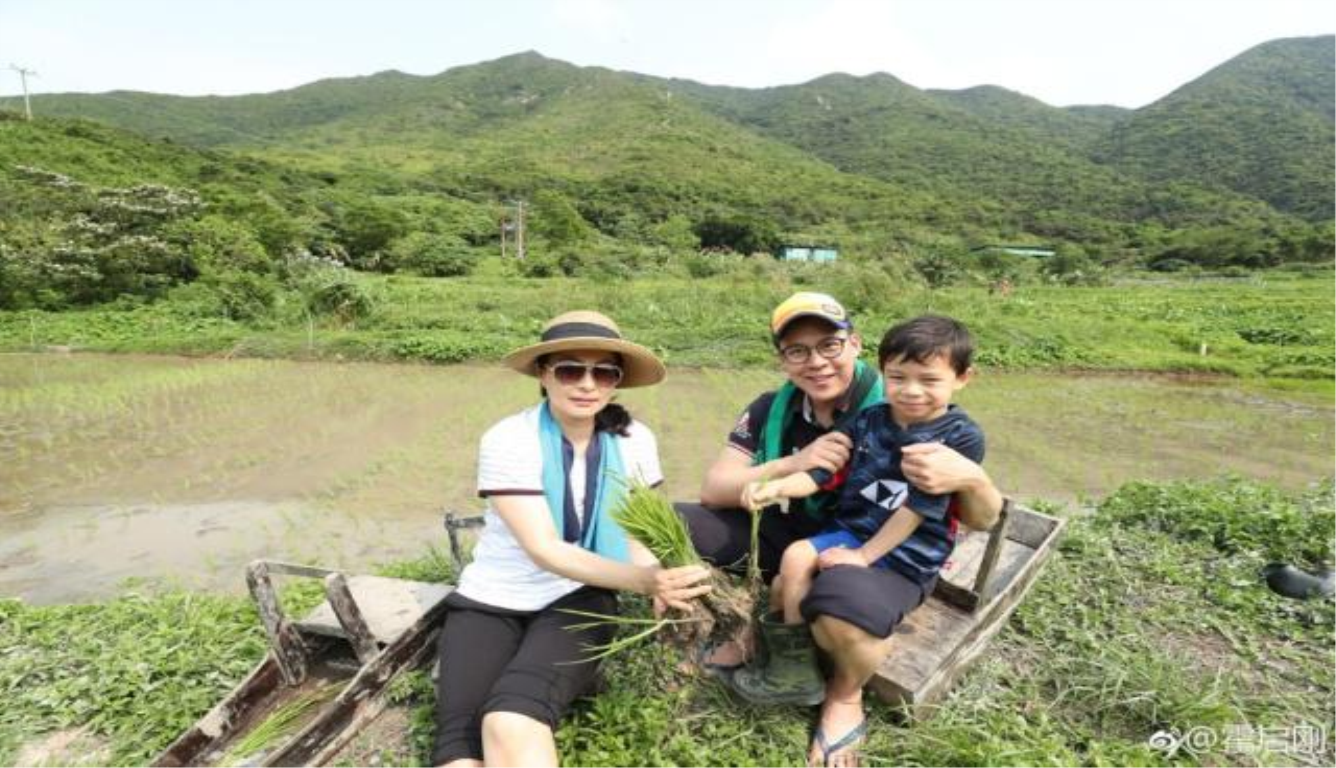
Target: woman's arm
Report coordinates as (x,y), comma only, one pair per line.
(936,469)
(530,521)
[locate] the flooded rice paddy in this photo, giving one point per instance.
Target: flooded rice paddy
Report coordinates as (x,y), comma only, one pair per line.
(117,467)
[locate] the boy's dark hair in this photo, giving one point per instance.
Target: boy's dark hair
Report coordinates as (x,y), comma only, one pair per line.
(926,337)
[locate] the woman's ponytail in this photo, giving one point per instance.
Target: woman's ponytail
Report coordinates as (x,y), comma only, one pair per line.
(613,418)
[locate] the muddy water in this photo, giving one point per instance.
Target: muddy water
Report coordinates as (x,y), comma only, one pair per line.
(116,467)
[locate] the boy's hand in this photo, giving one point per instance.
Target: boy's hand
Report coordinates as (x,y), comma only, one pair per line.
(759,495)
(841,556)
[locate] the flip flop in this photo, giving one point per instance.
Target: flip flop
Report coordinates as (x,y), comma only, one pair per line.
(853,739)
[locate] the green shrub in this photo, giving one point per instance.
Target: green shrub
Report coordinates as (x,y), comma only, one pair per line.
(434,255)
(243,295)
(338,296)
(1233,515)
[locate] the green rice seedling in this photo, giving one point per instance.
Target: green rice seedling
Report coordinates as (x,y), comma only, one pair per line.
(650,519)
(284,722)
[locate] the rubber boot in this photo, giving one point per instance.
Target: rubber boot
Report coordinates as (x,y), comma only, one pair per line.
(785,669)
(1287,580)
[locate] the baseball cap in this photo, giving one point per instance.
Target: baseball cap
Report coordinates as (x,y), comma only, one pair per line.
(808,304)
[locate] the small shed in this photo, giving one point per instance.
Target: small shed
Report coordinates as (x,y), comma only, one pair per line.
(1038,251)
(820,254)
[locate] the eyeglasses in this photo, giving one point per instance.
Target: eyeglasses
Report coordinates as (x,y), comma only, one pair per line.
(830,348)
(605,375)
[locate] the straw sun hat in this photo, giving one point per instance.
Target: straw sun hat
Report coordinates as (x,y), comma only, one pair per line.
(585,331)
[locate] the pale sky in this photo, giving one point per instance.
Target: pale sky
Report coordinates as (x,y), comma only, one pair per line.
(1123,52)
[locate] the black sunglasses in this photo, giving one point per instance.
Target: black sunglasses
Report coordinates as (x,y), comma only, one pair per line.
(605,375)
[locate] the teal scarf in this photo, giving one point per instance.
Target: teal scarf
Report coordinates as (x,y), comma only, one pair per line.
(865,391)
(602,535)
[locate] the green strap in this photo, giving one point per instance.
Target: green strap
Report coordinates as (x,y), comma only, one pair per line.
(865,391)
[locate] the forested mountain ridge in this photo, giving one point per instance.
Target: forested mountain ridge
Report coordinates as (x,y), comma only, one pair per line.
(396,171)
(1260,124)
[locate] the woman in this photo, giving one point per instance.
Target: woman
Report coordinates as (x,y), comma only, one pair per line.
(551,474)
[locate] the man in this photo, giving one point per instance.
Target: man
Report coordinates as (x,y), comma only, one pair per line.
(792,430)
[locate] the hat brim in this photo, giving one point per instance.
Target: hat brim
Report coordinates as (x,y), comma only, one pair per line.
(640,367)
(839,325)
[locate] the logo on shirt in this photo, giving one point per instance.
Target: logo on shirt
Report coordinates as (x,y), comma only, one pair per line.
(887,494)
(742,430)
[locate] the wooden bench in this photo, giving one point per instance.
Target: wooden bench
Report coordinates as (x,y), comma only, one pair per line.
(987,577)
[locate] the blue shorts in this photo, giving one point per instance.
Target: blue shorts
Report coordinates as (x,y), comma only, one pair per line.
(832,538)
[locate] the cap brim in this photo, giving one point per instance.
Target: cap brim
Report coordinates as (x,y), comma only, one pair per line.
(843,325)
(640,367)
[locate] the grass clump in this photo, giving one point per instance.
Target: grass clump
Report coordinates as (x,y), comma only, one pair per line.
(137,670)
(281,724)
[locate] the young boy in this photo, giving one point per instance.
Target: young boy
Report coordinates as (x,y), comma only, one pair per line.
(883,521)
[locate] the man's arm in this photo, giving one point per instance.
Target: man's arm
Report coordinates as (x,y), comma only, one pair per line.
(732,471)
(936,469)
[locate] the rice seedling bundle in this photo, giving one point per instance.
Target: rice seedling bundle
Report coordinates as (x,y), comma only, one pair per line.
(718,615)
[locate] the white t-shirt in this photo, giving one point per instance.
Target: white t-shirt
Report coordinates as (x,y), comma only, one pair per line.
(510,461)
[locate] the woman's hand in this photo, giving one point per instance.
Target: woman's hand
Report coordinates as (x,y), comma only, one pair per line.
(675,587)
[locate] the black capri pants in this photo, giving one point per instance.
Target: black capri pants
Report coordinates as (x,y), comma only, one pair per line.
(498,660)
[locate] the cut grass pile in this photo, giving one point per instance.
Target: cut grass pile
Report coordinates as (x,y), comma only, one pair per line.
(1152,619)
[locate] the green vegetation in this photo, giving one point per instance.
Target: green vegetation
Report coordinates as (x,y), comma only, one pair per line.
(626,174)
(1147,621)
(1272,105)
(1277,326)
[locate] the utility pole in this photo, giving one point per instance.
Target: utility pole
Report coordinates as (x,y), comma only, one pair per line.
(23,75)
(519,233)
(515,225)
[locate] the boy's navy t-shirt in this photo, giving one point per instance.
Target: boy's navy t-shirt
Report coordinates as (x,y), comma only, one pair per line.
(873,487)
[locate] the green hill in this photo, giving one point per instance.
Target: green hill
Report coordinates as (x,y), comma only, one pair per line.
(872,163)
(1260,125)
(1003,173)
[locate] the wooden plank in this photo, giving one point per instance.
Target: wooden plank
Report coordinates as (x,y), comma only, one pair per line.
(389,606)
(341,601)
(1031,528)
(963,564)
(996,540)
(940,641)
(959,582)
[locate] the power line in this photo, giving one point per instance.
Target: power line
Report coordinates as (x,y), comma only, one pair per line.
(23,75)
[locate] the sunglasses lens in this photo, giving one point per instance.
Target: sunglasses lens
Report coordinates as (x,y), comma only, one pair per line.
(607,375)
(570,374)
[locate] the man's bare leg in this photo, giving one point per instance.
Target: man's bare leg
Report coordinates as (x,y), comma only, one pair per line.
(855,656)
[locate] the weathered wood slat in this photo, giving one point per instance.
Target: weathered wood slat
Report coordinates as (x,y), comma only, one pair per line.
(388,606)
